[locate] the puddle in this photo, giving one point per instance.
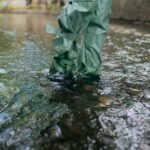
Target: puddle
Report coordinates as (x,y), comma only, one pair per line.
(38,114)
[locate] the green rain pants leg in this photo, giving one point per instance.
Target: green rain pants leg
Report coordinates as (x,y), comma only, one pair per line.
(87,18)
(93,39)
(73,20)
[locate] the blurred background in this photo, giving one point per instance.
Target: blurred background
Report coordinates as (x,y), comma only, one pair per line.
(137,10)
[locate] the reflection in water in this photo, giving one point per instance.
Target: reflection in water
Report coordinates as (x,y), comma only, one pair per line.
(25,23)
(38,114)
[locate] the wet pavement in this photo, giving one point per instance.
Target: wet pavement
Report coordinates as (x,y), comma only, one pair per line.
(35,113)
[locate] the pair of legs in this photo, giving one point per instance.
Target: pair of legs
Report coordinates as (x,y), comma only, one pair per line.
(83,26)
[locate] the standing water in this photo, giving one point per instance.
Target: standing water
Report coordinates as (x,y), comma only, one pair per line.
(35,113)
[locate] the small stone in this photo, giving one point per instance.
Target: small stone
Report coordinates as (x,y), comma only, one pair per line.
(89,88)
(104,101)
(12,133)
(146,94)
(3,117)
(45,71)
(107,90)
(2,87)
(27,148)
(2,71)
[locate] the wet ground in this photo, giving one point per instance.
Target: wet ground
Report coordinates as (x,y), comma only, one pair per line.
(35,113)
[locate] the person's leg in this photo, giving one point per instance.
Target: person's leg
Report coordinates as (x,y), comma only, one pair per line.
(73,20)
(94,36)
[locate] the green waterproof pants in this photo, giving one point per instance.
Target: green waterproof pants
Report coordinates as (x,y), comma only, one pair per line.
(83,26)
